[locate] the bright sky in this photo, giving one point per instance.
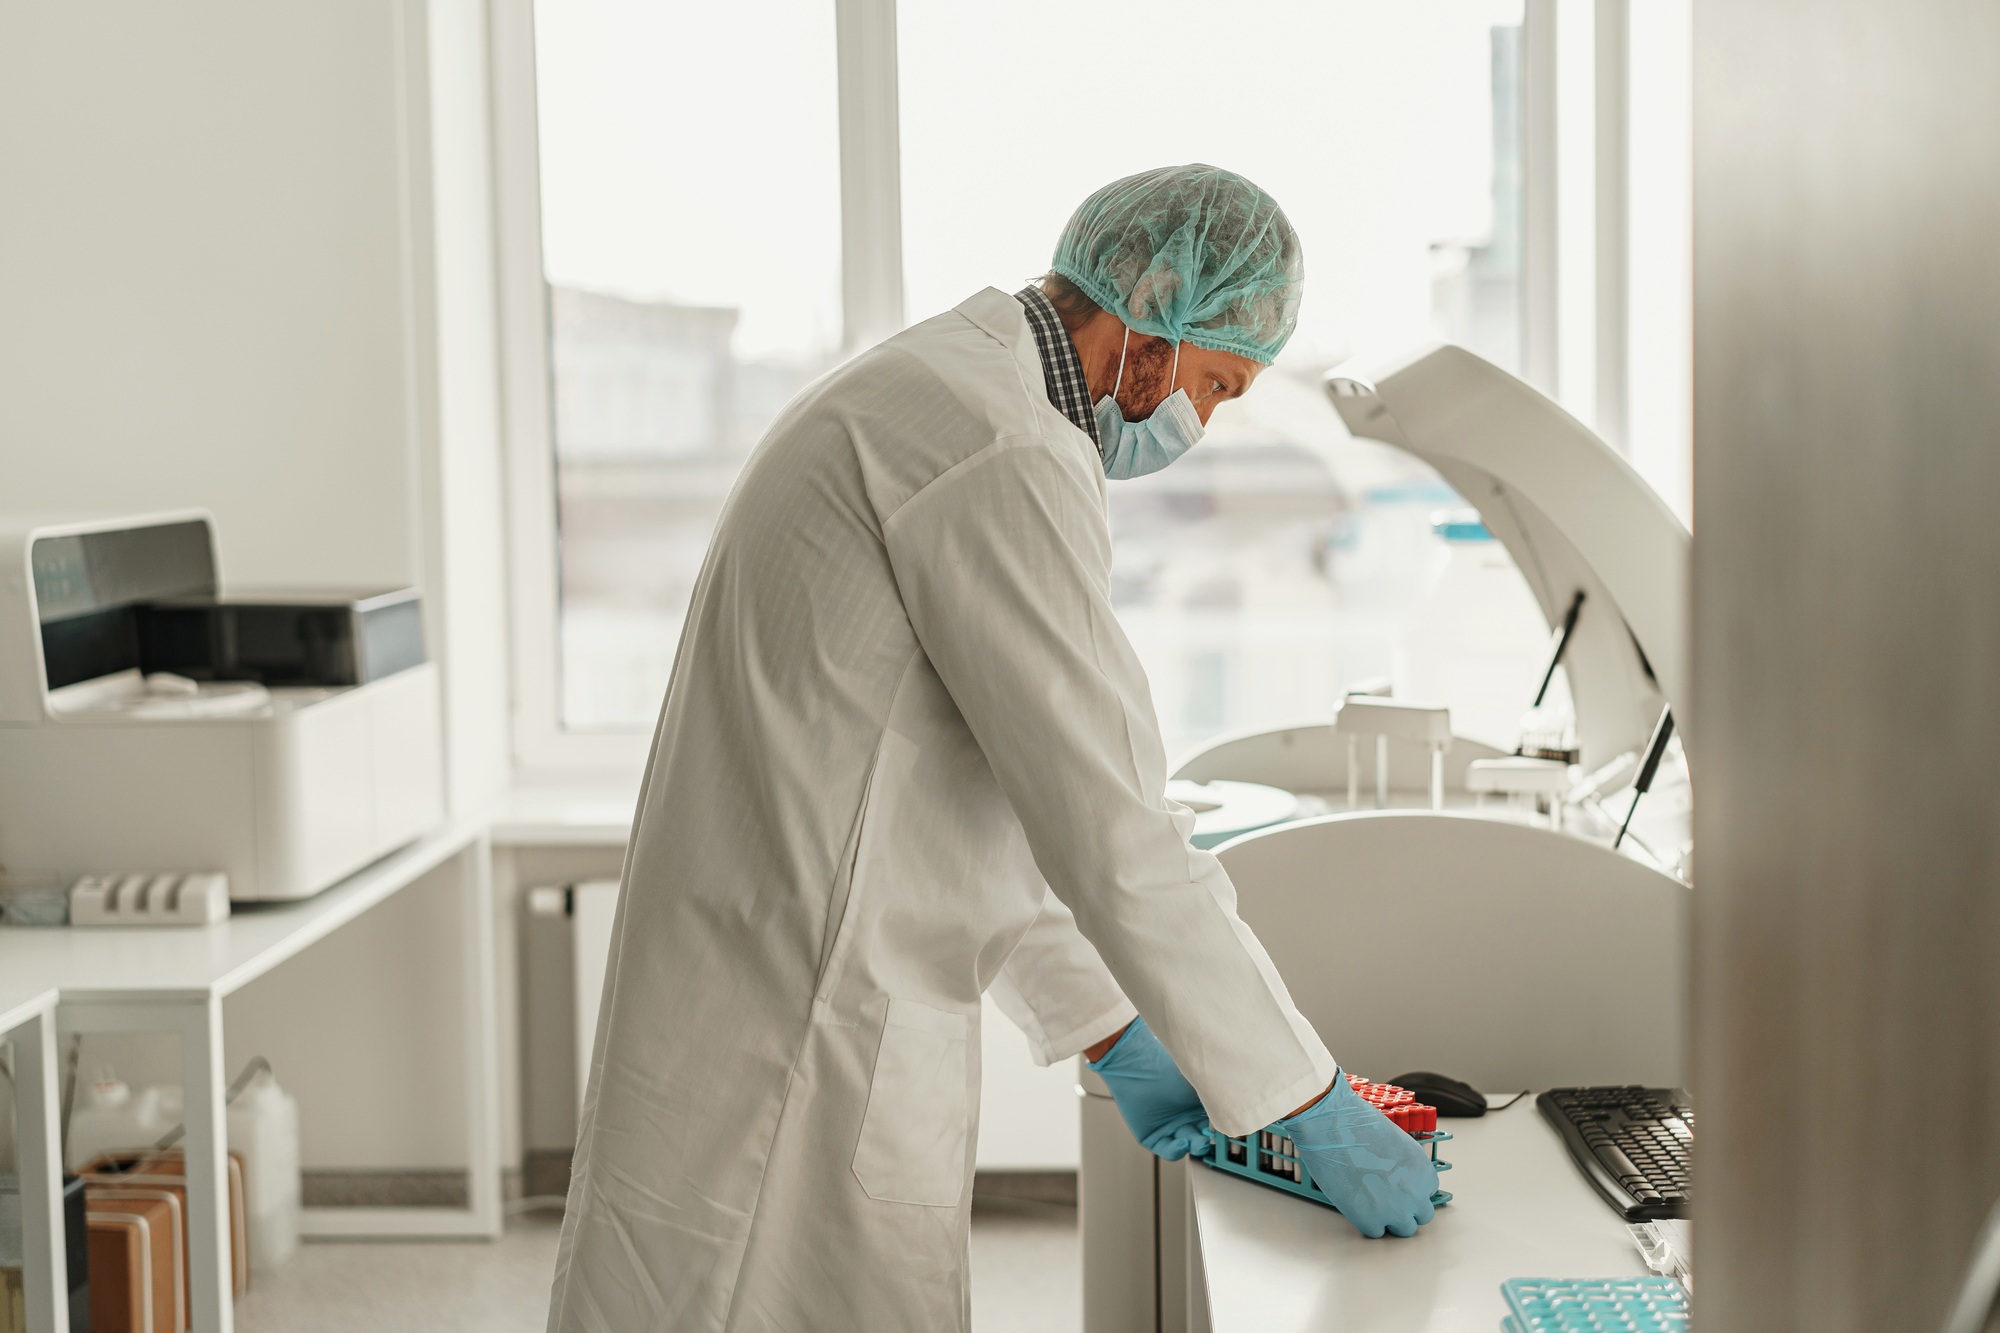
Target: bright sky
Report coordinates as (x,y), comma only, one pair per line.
(690,151)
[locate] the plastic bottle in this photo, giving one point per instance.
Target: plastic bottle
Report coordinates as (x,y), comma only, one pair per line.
(264,1128)
(114,1119)
(1477,641)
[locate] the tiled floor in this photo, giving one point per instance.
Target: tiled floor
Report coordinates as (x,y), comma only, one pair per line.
(1025,1279)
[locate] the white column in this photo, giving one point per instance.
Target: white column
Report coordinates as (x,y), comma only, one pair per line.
(1538,195)
(1613,43)
(871,191)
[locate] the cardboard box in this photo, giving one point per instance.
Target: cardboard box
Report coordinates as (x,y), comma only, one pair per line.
(133,1267)
(168,1171)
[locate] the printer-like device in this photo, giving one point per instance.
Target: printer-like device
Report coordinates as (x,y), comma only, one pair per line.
(149,722)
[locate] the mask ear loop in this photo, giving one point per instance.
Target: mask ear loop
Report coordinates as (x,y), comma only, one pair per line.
(1173,376)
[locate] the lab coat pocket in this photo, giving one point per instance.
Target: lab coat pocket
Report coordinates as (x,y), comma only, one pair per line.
(913,1137)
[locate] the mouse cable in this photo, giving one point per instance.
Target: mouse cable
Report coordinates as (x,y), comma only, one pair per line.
(1504,1105)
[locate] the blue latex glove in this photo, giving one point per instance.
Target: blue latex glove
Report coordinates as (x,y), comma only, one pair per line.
(1158,1103)
(1379,1177)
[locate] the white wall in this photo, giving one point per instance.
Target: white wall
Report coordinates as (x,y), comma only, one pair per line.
(202,249)
(246,257)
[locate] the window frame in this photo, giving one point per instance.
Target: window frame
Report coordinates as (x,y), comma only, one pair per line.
(871,309)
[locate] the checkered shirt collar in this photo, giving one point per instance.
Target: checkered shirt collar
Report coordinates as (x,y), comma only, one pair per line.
(1061,370)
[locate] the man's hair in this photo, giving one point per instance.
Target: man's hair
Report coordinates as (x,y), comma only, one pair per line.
(1071,304)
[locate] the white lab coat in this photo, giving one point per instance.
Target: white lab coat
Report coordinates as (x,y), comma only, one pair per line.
(907,755)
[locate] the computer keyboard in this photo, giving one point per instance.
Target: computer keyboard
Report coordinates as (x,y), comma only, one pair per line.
(1633,1143)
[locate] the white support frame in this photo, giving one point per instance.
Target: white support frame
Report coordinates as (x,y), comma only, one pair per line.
(197,1021)
(195,1017)
(38,1155)
(871,306)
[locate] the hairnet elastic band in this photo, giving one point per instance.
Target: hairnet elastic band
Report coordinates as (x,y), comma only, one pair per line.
(1109,301)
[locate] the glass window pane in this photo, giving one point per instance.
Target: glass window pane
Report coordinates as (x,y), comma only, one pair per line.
(691,239)
(1281,561)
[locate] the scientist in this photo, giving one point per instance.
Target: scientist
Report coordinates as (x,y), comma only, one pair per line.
(907,757)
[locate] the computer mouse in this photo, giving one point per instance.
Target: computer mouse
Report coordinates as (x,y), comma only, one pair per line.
(1451,1097)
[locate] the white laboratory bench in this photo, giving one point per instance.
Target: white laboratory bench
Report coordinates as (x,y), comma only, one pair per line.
(1272,1263)
(173,980)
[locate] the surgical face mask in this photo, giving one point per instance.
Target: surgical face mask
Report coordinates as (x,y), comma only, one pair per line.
(1134,448)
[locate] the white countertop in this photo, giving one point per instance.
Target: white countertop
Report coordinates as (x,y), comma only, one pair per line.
(181,962)
(566,816)
(20,1001)
(1277,1264)
(184,962)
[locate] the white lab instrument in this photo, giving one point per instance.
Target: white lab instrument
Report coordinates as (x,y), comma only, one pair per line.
(284,789)
(1499,899)
(1475,637)
(1574,515)
(169,899)
(1424,724)
(902,698)
(1543,781)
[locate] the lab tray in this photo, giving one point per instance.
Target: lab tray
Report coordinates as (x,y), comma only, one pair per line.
(1594,1305)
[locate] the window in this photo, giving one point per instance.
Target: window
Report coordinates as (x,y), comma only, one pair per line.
(702,206)
(690,223)
(1281,561)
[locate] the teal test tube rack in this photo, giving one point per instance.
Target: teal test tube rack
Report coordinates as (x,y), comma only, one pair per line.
(1269,1158)
(1594,1305)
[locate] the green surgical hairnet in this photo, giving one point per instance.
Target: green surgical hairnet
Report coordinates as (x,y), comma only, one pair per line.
(1190,254)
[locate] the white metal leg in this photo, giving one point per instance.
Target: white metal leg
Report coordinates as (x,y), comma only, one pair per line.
(482,1039)
(39,1149)
(197,1021)
(212,1289)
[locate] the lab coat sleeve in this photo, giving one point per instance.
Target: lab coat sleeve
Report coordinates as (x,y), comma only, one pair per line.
(1057,990)
(1003,563)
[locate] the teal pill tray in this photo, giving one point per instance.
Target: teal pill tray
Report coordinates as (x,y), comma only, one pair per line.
(1269,1158)
(1594,1305)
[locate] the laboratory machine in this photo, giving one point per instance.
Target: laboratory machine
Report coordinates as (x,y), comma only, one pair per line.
(156,730)
(1536,894)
